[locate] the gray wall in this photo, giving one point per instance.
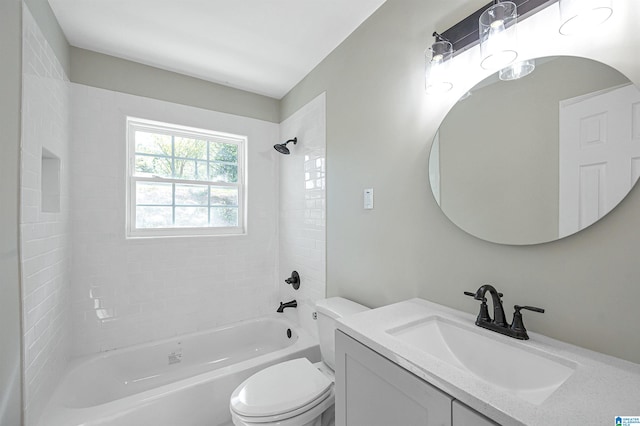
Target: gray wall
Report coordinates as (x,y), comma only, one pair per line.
(499,152)
(108,72)
(379,131)
(10,83)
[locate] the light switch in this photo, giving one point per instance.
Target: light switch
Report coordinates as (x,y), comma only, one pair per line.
(368,199)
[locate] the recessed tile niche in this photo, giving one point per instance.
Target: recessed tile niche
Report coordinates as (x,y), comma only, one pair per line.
(50,182)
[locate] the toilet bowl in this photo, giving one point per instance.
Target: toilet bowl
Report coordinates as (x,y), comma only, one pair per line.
(296,392)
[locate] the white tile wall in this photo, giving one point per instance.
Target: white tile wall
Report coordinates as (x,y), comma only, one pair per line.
(45,237)
(302,209)
(122,292)
(131,291)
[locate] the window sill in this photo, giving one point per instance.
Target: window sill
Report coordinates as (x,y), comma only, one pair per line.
(184,233)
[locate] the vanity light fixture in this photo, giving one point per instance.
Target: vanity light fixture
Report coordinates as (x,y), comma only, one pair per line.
(494,26)
(437,61)
(517,70)
(578,16)
(498,35)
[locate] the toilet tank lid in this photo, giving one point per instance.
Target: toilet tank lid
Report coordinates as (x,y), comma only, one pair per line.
(338,307)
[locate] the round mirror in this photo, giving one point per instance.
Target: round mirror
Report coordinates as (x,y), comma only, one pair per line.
(539,158)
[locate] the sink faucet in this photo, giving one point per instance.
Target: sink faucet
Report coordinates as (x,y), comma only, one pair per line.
(292,304)
(499,324)
(498,309)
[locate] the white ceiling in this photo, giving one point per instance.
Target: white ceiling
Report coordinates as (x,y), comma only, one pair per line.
(263,46)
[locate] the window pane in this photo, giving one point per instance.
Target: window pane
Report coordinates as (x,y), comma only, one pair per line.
(224,216)
(223,152)
(191,169)
(192,195)
(223,173)
(152,143)
(192,216)
(154,217)
(185,169)
(190,148)
(154,193)
(153,166)
(224,196)
(202,171)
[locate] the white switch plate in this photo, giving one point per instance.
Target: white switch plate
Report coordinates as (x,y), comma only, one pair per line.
(368,199)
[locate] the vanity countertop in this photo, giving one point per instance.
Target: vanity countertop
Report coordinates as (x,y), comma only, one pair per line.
(601,387)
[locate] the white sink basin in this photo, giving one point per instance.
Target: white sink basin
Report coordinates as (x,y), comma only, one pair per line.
(526,373)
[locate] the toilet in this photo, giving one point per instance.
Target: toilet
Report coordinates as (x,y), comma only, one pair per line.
(296,392)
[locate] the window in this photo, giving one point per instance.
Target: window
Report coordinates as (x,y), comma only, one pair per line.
(184,181)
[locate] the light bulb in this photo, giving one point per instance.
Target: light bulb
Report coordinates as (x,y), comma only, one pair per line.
(437,67)
(498,42)
(497,25)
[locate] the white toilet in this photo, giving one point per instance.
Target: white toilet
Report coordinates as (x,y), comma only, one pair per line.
(296,392)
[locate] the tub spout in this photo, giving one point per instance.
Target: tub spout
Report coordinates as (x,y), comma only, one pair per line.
(292,304)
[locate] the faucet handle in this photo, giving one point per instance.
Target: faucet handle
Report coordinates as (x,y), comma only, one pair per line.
(483,315)
(517,325)
(294,280)
(528,308)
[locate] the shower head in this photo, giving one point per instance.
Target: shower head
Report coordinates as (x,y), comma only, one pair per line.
(282,147)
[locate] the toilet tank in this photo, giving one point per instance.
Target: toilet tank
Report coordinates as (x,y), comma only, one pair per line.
(328,311)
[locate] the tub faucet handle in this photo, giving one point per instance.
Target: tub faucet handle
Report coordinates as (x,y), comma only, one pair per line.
(294,280)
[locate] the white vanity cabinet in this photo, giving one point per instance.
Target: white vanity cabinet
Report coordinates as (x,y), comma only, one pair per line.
(461,415)
(373,391)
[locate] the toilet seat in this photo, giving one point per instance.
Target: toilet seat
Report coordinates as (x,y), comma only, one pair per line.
(297,417)
(281,391)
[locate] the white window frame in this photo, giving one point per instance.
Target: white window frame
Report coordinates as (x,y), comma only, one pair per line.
(134,124)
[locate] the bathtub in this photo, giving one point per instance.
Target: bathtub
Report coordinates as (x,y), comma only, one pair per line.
(183,381)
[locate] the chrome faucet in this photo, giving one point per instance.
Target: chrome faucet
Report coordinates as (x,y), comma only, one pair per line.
(499,324)
(292,304)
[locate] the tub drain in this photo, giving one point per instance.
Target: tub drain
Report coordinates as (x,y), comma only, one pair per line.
(289,333)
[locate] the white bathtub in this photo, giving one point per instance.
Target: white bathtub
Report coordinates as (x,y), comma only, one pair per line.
(183,381)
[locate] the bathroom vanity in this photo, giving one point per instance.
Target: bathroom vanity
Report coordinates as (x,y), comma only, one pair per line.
(375,391)
(420,363)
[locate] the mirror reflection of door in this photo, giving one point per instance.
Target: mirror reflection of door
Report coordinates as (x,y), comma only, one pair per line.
(599,154)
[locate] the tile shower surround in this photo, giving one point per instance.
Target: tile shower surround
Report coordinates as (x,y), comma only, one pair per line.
(44,236)
(129,291)
(302,209)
